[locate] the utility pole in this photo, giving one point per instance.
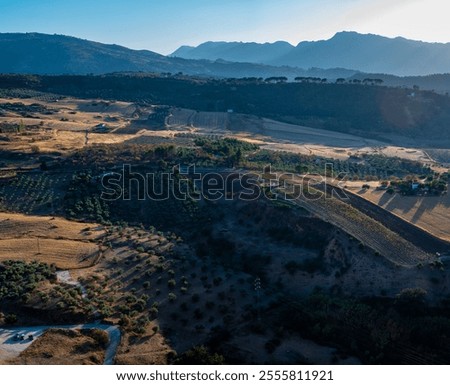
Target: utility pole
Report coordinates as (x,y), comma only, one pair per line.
(38,246)
(257,285)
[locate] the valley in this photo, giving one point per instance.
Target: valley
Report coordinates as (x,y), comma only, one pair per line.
(281,277)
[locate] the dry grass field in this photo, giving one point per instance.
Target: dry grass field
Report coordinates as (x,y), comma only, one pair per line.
(430,213)
(65,347)
(69,245)
(63,253)
(279,136)
(75,123)
(19,225)
(65,125)
(147,349)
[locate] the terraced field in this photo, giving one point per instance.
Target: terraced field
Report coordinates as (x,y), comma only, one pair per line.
(182,118)
(367,230)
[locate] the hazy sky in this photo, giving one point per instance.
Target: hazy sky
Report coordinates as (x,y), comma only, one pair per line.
(164,25)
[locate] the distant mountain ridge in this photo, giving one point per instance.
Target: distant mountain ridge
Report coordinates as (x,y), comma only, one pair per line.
(236,52)
(36,53)
(361,52)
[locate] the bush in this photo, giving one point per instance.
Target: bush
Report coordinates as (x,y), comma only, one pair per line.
(153,312)
(101,337)
(35,149)
(10,319)
(172,297)
(140,305)
(411,301)
(200,355)
(19,278)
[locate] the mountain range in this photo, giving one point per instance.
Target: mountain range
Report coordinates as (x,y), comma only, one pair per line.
(36,53)
(345,55)
(361,52)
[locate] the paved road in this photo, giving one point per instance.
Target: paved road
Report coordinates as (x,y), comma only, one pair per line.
(11,348)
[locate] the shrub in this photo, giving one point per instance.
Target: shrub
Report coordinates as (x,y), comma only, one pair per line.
(10,319)
(200,355)
(153,312)
(35,149)
(139,305)
(172,297)
(101,337)
(411,300)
